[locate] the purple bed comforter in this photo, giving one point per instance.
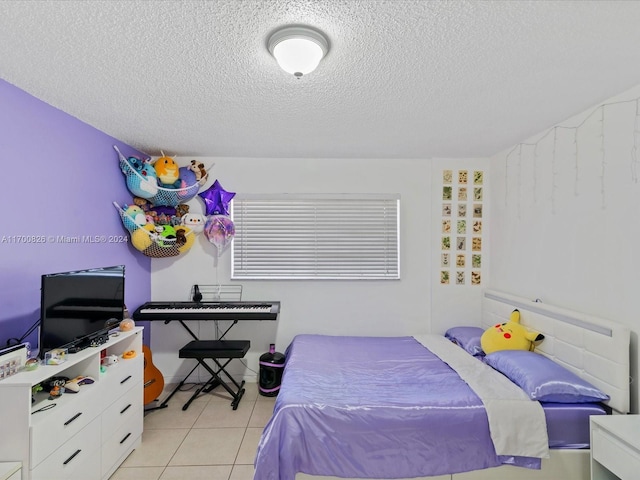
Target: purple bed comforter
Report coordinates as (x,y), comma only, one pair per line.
(373,407)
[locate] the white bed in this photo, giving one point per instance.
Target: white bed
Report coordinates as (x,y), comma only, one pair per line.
(596,349)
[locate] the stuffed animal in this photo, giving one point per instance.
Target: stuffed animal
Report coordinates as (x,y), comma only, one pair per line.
(152,217)
(194,221)
(133,217)
(166,235)
(167,172)
(163,219)
(141,177)
(109,360)
(182,209)
(184,238)
(143,203)
(162,214)
(509,336)
(200,171)
(142,238)
(188,177)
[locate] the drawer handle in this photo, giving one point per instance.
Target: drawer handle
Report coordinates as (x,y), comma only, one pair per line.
(125,379)
(71,457)
(125,409)
(125,438)
(72,419)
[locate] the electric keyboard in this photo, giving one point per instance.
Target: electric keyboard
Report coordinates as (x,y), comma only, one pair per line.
(168,311)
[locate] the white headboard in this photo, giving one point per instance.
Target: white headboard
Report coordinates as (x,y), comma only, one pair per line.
(594,348)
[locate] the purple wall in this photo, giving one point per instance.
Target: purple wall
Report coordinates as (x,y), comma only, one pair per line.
(62,179)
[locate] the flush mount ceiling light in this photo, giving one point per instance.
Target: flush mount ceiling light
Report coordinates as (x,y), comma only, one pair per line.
(297,49)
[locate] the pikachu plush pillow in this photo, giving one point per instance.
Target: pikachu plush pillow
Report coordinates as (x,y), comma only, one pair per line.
(509,336)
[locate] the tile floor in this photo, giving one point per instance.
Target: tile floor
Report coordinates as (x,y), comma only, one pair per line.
(209,440)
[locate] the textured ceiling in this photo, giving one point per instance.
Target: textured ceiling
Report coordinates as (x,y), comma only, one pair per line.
(403,79)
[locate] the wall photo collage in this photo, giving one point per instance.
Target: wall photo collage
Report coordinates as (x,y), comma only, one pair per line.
(461,231)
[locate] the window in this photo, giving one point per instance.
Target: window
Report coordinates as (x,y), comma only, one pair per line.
(287,236)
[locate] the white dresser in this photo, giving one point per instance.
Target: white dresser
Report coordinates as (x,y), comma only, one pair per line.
(615,447)
(88,434)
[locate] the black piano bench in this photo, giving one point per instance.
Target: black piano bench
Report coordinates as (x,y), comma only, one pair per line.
(216,350)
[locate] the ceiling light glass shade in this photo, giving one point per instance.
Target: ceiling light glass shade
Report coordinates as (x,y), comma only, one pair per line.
(298,50)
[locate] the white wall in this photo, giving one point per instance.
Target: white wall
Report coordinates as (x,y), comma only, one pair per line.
(388,307)
(566,227)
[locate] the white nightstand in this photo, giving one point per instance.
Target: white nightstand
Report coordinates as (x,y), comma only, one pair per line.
(615,447)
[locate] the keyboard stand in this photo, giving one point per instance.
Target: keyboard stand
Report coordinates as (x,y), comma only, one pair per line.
(215,350)
(220,351)
(165,402)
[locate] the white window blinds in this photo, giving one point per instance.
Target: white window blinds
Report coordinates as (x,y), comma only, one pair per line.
(290,236)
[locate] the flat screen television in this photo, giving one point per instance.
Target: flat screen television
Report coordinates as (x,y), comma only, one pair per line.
(76,306)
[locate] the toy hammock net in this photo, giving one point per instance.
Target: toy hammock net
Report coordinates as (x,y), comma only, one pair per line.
(157,241)
(149,188)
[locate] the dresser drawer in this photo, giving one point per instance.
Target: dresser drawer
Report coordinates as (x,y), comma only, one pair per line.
(77,458)
(614,454)
(123,410)
(119,378)
(16,476)
(123,439)
(10,470)
(72,413)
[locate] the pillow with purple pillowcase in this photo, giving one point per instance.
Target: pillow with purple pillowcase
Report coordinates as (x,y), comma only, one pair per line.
(542,379)
(468,338)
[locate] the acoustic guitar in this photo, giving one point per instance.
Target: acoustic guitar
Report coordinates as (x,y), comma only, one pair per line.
(153,379)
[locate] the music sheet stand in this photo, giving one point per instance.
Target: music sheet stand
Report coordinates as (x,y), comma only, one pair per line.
(216,293)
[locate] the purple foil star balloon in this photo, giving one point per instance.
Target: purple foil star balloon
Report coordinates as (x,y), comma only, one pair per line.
(216,199)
